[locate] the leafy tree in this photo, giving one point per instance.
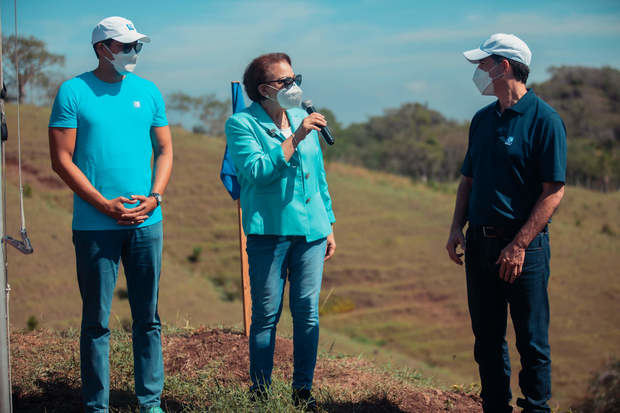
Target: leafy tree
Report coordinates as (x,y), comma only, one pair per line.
(411,140)
(211,111)
(48,87)
(331,152)
(588,100)
(33,58)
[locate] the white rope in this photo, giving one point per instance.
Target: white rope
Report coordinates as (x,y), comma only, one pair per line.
(19,137)
(4,185)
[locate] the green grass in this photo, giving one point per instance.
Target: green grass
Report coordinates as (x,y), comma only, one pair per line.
(400,300)
(48,378)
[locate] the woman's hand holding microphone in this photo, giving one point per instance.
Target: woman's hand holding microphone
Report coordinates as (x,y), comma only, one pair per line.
(314,121)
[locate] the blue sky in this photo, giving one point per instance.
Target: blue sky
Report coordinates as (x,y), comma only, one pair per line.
(357,57)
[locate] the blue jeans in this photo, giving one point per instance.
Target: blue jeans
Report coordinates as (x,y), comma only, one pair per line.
(489,297)
(98,254)
(272,258)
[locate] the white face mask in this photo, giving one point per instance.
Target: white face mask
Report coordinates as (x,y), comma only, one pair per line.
(123,62)
(289,97)
(484,81)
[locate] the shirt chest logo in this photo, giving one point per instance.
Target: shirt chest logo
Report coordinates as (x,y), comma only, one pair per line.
(136,104)
(507,140)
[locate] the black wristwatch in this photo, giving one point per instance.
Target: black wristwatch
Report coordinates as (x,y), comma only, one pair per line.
(157,197)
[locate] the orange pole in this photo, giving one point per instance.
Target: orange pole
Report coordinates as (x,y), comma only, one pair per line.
(245,276)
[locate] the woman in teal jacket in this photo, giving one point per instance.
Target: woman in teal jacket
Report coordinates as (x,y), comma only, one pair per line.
(287,216)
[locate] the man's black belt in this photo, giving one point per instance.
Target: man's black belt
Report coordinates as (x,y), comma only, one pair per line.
(497,231)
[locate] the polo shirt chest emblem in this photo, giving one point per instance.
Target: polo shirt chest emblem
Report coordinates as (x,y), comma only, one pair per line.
(136,104)
(507,140)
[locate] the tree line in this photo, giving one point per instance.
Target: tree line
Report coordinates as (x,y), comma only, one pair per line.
(419,142)
(416,141)
(411,140)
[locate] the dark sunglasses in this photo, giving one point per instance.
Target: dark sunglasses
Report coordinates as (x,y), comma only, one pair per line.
(135,46)
(126,47)
(286,81)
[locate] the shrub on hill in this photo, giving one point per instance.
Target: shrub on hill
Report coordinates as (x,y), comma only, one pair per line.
(604,391)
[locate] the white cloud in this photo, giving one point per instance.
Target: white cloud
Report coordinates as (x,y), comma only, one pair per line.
(522,24)
(417,86)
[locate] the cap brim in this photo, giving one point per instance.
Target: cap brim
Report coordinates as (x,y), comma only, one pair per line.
(475,55)
(132,37)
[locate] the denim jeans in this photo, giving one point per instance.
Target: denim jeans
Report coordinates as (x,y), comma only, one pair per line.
(489,298)
(272,259)
(98,254)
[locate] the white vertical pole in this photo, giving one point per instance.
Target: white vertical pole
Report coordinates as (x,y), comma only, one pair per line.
(6,402)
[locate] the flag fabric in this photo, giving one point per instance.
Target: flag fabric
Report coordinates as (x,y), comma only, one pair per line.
(228,175)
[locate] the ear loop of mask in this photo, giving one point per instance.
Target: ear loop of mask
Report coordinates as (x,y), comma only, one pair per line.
(270,98)
(111,52)
(498,76)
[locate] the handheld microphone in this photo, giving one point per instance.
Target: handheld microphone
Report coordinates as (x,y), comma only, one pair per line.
(327,134)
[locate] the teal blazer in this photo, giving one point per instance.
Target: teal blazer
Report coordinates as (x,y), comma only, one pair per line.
(279,197)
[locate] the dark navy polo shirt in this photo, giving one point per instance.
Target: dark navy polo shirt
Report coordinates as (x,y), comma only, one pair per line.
(509,156)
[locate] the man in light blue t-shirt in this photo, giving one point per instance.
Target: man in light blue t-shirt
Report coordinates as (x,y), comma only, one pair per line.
(105,128)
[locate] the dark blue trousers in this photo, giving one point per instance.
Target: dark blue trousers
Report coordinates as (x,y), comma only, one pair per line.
(489,298)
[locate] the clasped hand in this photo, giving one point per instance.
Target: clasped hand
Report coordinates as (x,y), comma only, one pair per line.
(130,216)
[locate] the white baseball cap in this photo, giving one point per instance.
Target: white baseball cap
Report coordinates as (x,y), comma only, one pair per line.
(506,45)
(119,29)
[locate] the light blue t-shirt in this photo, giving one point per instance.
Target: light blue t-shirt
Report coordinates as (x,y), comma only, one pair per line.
(113,145)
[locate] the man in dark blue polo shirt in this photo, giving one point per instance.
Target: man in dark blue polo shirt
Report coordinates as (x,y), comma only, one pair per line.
(513,181)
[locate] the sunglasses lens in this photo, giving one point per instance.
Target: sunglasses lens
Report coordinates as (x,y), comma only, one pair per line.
(298,80)
(136,46)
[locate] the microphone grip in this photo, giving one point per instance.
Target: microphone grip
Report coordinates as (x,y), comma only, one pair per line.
(327,134)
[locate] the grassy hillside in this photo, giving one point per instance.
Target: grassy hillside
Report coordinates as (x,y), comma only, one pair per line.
(390,292)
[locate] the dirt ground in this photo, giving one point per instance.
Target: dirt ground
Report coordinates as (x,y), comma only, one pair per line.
(50,360)
(190,353)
